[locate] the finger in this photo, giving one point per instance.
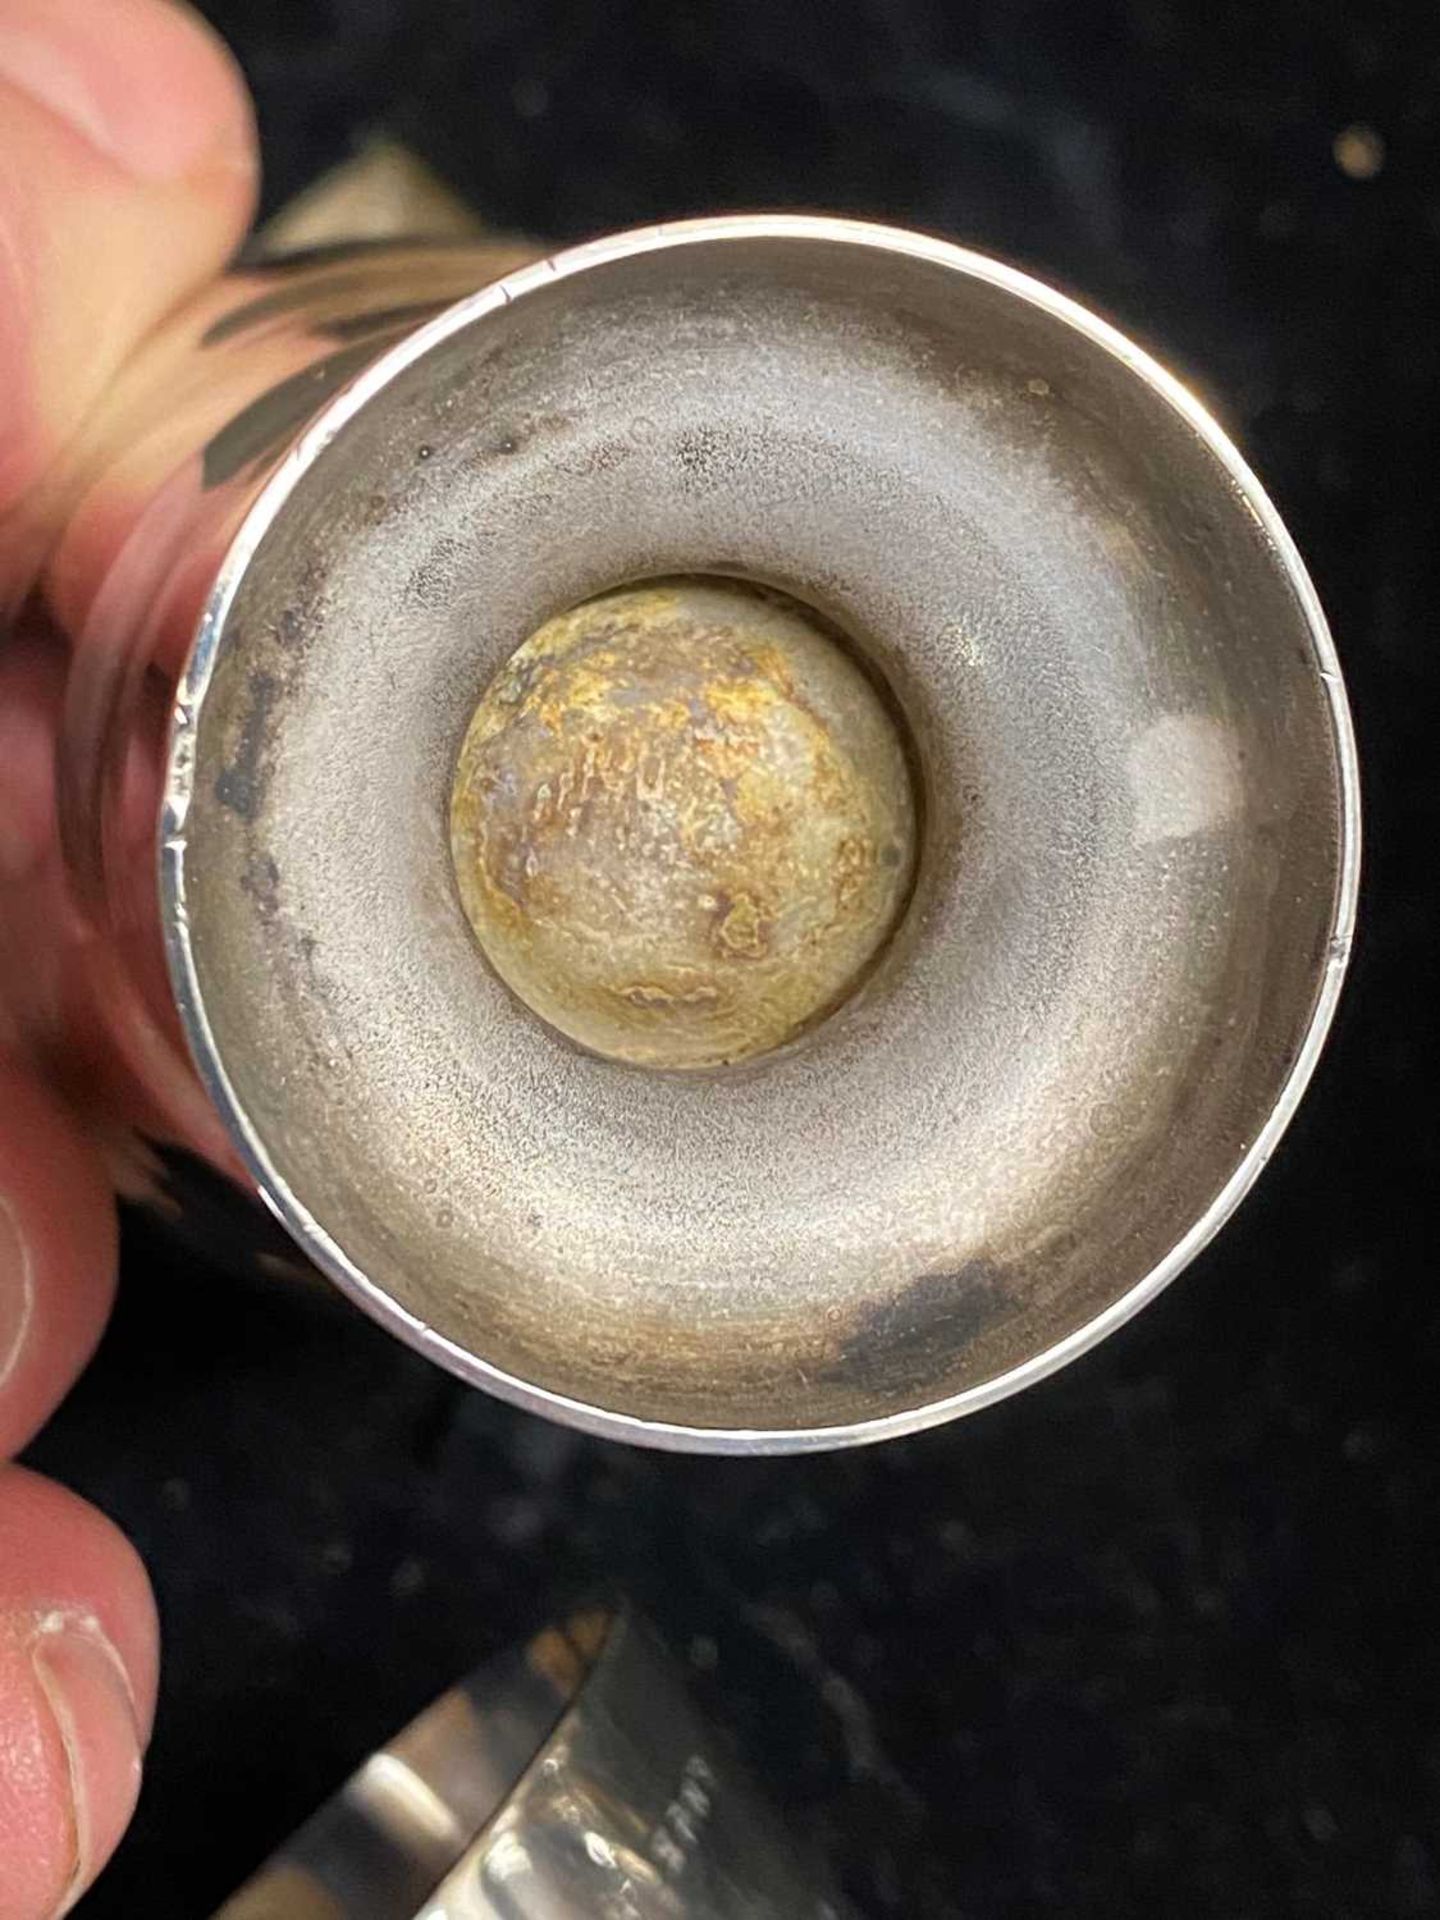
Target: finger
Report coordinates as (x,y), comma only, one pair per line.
(77,1692)
(127,175)
(57,1254)
(31,682)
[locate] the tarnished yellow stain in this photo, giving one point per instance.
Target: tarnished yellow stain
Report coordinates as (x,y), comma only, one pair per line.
(668,819)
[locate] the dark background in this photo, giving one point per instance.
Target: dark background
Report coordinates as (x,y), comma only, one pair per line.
(1159,1637)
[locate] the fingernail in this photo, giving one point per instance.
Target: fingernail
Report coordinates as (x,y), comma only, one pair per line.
(129,83)
(89,1695)
(17,1291)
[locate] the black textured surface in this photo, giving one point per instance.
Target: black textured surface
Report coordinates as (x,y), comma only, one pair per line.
(1158,1637)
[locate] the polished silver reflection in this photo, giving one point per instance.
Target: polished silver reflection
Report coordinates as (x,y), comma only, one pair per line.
(575,1782)
(1135,888)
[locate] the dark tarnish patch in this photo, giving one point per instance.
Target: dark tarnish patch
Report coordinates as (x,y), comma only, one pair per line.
(518,435)
(241,785)
(290,627)
(261,880)
(699,451)
(890,1344)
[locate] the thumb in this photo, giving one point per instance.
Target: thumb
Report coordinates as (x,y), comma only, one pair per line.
(127,176)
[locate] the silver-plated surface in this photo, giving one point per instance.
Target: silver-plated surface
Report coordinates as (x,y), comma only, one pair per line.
(1137,873)
(400,1824)
(634,1811)
(617,1803)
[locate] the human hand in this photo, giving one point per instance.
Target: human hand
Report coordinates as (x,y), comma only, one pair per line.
(127,171)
